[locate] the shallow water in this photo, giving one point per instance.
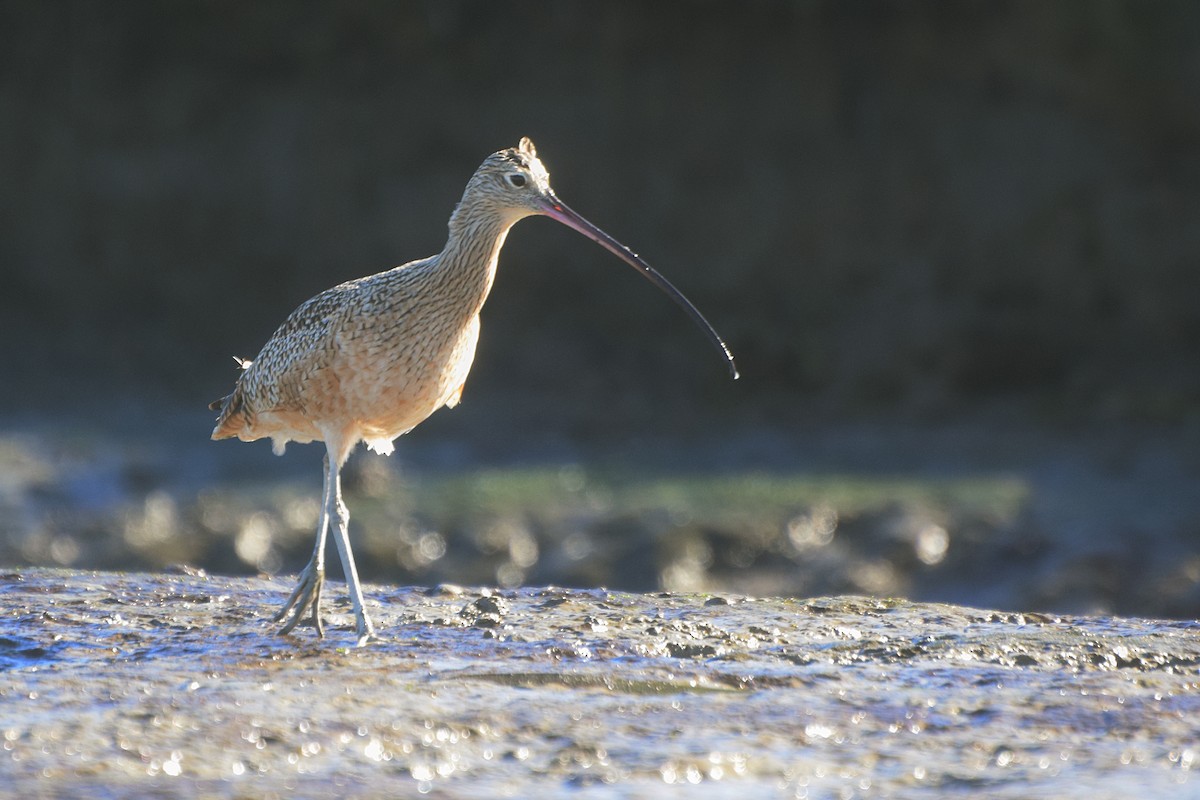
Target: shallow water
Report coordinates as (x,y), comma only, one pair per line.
(172,685)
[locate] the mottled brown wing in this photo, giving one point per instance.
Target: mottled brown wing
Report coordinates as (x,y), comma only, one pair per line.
(301,347)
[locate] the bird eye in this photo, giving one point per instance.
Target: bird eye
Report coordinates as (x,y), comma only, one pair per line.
(517,179)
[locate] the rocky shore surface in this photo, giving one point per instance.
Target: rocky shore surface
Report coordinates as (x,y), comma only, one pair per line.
(176,685)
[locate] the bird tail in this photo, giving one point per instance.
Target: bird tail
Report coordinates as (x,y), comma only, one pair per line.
(232,407)
(231,418)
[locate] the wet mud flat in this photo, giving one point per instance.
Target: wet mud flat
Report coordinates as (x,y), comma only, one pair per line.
(174,685)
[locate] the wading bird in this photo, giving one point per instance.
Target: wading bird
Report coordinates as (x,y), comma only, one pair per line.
(368,360)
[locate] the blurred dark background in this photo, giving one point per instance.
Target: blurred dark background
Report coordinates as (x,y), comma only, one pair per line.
(983,214)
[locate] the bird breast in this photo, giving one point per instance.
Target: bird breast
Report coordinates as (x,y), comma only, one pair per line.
(391,383)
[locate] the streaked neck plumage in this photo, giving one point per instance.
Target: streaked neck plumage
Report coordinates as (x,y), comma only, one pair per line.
(467,264)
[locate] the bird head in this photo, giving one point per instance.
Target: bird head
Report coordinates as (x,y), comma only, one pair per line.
(514,184)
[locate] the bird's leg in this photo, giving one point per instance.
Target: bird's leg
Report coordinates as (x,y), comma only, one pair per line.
(341,528)
(307,595)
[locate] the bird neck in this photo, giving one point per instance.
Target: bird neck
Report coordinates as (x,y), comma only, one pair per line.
(468,261)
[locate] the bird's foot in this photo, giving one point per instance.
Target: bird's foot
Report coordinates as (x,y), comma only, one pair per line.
(366,631)
(305,598)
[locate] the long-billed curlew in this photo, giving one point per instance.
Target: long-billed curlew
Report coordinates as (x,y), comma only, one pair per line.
(370,359)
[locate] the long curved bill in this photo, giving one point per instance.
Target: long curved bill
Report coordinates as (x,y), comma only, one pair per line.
(560,211)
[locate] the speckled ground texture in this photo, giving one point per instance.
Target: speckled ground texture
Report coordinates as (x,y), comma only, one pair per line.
(175,685)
